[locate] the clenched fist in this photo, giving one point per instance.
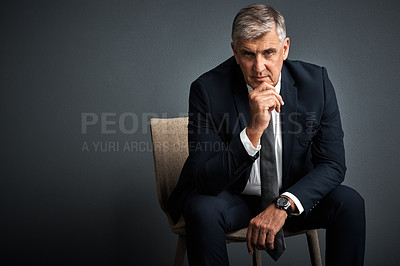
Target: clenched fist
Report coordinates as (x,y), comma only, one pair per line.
(262,100)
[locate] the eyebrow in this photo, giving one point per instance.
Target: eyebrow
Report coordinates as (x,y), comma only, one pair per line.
(245,50)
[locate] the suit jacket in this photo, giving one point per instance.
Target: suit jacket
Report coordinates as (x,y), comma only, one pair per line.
(312,136)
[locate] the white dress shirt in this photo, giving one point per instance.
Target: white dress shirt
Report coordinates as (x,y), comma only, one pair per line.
(253,186)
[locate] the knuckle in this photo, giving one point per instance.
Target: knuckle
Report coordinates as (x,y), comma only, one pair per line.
(258,225)
(264,227)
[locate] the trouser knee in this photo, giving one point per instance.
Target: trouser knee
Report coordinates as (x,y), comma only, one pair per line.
(349,205)
(348,199)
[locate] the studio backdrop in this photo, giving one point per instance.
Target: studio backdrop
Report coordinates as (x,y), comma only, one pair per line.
(80,81)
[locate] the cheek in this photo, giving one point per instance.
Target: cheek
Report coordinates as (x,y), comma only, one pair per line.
(246,68)
(276,68)
(275,71)
(249,68)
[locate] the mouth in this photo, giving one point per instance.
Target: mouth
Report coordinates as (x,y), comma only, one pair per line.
(261,79)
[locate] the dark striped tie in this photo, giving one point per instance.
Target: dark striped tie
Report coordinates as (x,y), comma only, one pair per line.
(269,183)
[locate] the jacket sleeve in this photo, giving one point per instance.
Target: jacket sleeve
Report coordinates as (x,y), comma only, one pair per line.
(216,158)
(327,154)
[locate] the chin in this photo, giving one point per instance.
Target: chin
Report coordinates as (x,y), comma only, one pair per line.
(254,84)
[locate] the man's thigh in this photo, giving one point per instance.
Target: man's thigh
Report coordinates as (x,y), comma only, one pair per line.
(227,209)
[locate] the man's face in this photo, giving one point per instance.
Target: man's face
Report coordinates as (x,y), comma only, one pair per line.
(261,60)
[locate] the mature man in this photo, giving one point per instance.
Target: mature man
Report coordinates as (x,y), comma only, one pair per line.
(265,151)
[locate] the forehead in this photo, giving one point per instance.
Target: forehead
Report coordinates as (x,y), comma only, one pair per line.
(268,40)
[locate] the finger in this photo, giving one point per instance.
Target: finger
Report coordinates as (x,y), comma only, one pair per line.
(270,240)
(268,86)
(278,106)
(273,104)
(248,240)
(254,237)
(273,107)
(262,238)
(264,86)
(278,103)
(279,98)
(271,95)
(277,95)
(257,96)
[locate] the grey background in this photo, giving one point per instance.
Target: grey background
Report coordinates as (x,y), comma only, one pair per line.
(60,59)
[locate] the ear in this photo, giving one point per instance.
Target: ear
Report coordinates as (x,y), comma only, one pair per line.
(286,45)
(235,53)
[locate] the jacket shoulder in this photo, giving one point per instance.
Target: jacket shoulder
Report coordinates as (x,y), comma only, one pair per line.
(303,72)
(227,72)
(297,65)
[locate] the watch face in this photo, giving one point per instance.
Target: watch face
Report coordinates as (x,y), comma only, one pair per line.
(282,202)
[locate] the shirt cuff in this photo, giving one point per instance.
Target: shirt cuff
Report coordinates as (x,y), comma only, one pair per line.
(248,146)
(296,201)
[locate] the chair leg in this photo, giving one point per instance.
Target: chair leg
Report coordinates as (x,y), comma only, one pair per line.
(257,257)
(313,247)
(180,251)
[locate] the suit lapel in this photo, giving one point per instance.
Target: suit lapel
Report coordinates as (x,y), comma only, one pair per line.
(241,100)
(288,119)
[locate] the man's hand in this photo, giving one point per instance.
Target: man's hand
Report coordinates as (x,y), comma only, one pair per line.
(262,100)
(263,228)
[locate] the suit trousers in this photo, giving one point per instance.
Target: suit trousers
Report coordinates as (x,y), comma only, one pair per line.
(208,218)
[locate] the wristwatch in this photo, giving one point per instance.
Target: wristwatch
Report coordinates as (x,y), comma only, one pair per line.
(283,204)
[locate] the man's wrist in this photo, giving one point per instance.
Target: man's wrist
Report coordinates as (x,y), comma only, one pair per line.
(298,206)
(283,203)
(292,204)
(248,146)
(253,135)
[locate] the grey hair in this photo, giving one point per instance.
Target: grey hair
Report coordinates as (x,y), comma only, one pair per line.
(254,21)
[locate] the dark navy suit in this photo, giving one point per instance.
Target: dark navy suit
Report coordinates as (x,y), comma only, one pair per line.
(218,165)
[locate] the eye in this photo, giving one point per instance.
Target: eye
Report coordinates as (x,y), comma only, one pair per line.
(269,52)
(247,53)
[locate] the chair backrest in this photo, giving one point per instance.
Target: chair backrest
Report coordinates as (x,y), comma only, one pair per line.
(170,150)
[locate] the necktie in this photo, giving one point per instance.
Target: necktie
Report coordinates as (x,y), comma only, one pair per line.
(269,183)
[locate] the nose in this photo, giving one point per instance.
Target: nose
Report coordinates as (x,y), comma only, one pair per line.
(258,65)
